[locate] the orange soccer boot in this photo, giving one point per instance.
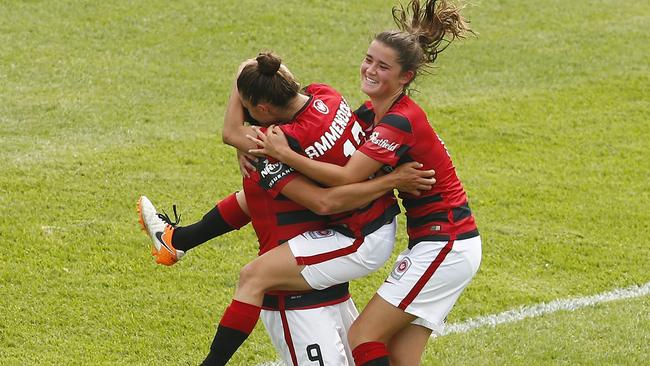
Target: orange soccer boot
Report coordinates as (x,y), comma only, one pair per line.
(160,229)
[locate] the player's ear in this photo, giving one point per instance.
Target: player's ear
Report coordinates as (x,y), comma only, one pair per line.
(263,107)
(406,77)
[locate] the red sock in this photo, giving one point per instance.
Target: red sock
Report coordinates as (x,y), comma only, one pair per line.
(241,316)
(232,213)
(370,353)
(236,324)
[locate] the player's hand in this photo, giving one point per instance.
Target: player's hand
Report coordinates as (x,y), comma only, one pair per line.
(273,143)
(244,159)
(410,179)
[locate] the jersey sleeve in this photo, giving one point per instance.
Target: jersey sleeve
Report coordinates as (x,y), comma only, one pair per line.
(389,140)
(274,175)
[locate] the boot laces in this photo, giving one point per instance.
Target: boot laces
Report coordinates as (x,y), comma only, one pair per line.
(177,218)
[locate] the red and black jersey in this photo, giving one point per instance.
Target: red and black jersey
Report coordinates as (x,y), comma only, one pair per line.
(276,218)
(325,129)
(403,135)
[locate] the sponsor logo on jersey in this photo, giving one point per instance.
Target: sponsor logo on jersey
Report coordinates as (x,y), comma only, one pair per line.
(271,168)
(383,143)
(319,234)
(271,173)
(320,106)
(400,268)
(332,135)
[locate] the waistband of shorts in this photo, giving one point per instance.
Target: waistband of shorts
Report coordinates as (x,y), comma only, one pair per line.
(443,237)
(307,300)
(385,218)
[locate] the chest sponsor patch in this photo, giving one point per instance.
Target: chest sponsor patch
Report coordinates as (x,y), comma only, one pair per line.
(319,234)
(400,268)
(320,106)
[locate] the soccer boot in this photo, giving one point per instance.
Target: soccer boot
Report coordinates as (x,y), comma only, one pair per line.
(160,229)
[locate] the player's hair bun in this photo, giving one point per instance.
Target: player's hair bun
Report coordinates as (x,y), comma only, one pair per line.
(268,64)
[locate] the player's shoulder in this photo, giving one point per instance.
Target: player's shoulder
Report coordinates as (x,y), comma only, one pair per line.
(321,89)
(404,115)
(397,121)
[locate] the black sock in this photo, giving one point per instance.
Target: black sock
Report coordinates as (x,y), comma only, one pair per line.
(225,343)
(381,361)
(211,225)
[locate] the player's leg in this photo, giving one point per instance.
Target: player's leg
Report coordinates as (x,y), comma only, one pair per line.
(338,259)
(240,317)
(425,284)
(371,332)
(231,213)
(406,347)
(170,242)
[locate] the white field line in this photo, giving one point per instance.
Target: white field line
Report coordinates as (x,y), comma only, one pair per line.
(531,311)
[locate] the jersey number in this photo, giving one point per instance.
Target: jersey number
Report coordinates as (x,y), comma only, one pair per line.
(348,147)
(314,354)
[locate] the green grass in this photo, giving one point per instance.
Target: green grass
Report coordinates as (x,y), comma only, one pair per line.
(545,114)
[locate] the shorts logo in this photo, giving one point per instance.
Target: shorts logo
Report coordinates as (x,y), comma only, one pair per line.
(400,268)
(319,234)
(320,106)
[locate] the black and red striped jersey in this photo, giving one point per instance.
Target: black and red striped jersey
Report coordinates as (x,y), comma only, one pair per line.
(403,135)
(276,219)
(325,129)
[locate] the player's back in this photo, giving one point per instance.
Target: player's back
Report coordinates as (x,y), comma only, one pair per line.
(327,130)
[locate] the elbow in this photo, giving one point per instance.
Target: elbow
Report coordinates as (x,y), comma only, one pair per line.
(227,138)
(326,206)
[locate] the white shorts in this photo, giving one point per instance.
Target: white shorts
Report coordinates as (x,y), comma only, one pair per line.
(331,258)
(317,336)
(427,280)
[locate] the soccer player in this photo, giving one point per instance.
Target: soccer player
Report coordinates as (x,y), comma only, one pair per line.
(444,248)
(320,112)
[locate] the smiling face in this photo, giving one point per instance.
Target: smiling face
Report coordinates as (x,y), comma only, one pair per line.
(381,74)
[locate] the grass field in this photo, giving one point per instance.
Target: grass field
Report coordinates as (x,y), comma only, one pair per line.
(546,115)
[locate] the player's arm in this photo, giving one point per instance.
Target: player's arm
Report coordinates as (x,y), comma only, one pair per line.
(274,144)
(234,129)
(327,201)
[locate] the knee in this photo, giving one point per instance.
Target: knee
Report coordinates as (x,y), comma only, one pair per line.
(355,335)
(251,277)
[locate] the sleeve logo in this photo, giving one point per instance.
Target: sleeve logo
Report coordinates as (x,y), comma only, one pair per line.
(383,143)
(272,173)
(271,168)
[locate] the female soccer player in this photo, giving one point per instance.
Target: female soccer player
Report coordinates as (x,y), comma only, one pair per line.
(444,248)
(322,125)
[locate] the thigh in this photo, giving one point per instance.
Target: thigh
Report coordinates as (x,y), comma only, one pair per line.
(312,336)
(378,322)
(275,270)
